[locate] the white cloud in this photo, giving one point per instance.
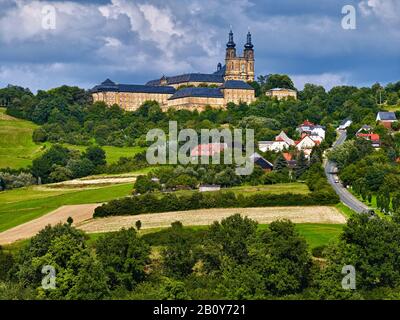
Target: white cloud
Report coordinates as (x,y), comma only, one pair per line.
(388,11)
(327,80)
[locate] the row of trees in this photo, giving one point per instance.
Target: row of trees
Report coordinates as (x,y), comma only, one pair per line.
(152,203)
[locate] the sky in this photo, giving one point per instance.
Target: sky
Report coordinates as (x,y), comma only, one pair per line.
(45,44)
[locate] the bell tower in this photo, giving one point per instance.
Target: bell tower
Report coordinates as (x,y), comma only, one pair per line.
(249,57)
(230,59)
(239,67)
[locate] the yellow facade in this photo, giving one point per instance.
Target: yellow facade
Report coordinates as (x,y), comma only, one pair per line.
(282,94)
(132,101)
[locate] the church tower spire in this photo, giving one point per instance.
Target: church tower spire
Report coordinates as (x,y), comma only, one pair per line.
(248,44)
(231,43)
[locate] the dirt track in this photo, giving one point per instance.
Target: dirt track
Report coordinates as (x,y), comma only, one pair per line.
(316,214)
(78,212)
(82,215)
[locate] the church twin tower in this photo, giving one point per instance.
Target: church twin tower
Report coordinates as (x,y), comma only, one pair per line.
(239,67)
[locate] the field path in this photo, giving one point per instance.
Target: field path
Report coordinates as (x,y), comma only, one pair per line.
(27,230)
(82,215)
(314,214)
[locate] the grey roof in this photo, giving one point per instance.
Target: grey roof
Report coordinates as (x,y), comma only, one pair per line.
(345,121)
(262,162)
(387,116)
(282,89)
(109,85)
(197,92)
(221,72)
(236,84)
(191,77)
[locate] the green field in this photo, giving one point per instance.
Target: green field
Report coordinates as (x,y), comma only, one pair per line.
(17,150)
(112,153)
(22,205)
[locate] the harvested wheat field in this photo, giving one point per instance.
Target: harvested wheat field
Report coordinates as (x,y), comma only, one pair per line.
(314,214)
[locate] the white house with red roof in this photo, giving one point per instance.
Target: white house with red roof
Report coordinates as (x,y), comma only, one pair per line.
(208,150)
(312,129)
(373,137)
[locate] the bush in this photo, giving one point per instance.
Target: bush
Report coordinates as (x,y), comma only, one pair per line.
(318,252)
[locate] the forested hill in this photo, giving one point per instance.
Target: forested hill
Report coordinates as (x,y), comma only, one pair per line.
(67,114)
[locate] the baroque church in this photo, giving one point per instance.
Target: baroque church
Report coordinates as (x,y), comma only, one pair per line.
(192,91)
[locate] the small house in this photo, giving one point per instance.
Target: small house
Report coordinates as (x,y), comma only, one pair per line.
(386,119)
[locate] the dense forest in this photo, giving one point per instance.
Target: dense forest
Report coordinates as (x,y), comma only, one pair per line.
(232,259)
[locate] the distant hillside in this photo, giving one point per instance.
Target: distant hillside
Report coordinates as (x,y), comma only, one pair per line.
(17,150)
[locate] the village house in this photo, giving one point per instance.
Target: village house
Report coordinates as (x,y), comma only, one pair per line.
(209,187)
(208,150)
(365,129)
(386,119)
(306,144)
(261,162)
(373,137)
(281,142)
(345,124)
(312,129)
(291,162)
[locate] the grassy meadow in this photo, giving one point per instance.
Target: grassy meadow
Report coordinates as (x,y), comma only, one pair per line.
(17,150)
(22,205)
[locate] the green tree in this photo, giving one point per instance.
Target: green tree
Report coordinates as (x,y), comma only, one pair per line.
(79,274)
(144,184)
(96,155)
(179,256)
(81,167)
(301,165)
(124,257)
(280,164)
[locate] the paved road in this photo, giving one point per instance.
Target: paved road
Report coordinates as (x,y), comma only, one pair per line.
(345,196)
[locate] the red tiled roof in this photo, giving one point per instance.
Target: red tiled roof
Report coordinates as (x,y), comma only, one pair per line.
(369,136)
(207,150)
(307,123)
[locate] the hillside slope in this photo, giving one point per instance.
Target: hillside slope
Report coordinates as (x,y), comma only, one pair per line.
(17,150)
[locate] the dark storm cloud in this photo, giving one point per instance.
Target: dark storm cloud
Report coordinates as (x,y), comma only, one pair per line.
(134,41)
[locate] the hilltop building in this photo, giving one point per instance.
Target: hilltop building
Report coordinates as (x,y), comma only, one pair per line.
(193,91)
(282,93)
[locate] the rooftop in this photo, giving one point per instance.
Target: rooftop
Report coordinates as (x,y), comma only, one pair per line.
(387,116)
(217,77)
(109,85)
(282,89)
(197,92)
(236,84)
